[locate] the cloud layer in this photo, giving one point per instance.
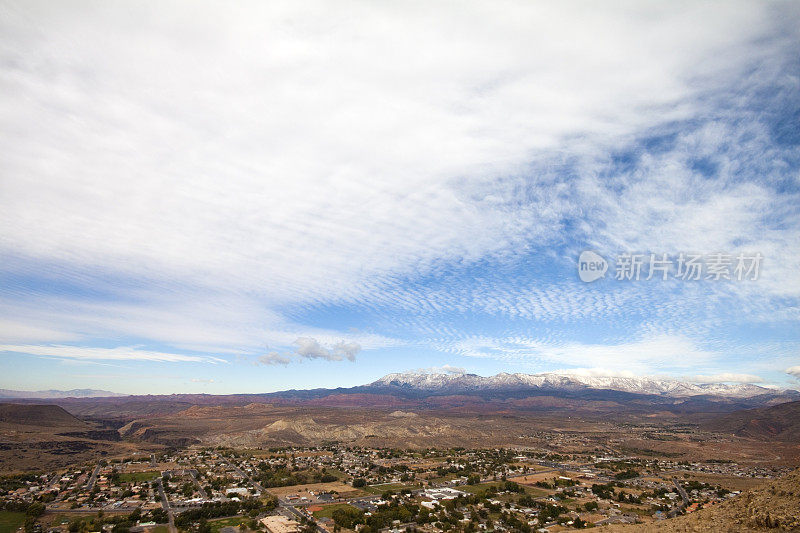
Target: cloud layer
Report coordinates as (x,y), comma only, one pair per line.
(213,179)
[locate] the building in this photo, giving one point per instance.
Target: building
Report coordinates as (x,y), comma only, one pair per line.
(445,493)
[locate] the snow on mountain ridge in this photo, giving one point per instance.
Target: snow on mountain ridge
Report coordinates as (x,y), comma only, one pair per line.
(548,380)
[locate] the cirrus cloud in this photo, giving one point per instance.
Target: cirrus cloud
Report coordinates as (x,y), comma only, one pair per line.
(122,353)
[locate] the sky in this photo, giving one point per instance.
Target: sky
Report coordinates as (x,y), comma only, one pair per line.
(256,196)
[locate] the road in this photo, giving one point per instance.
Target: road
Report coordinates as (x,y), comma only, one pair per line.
(681,491)
(165,505)
(200,489)
(93,478)
(284,507)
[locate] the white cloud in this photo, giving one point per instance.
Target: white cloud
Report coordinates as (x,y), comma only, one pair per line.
(238,161)
(794,371)
(444,369)
(122,353)
(212,323)
(315,151)
(596,372)
(641,356)
(725,377)
(310,348)
(275,358)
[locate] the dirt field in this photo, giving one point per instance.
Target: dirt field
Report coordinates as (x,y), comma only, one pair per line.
(530,479)
(306,490)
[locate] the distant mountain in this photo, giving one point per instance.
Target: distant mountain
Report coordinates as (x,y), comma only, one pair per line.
(39,415)
(596,397)
(466,383)
(779,422)
(54,394)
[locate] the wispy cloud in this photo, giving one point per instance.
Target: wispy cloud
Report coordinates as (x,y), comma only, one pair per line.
(321,161)
(725,377)
(641,356)
(123,353)
(444,369)
(447,190)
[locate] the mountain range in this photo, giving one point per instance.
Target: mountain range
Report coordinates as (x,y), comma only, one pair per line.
(56,394)
(420,385)
(455,383)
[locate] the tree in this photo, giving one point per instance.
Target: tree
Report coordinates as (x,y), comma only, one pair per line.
(348,517)
(35,509)
(359,482)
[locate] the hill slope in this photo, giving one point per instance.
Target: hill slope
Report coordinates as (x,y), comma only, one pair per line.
(774,506)
(39,415)
(781,422)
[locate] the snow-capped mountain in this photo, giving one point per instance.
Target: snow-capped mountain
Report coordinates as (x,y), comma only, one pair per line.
(454,383)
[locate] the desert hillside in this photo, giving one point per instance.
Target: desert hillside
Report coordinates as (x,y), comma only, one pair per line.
(34,437)
(781,422)
(773,506)
(39,415)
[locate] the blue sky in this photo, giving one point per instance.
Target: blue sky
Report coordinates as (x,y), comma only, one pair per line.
(215,198)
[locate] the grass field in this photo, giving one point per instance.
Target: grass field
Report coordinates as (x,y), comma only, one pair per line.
(233,521)
(328,510)
(336,472)
(480,488)
(138,477)
(10,522)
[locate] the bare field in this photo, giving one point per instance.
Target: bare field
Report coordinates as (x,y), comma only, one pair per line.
(306,490)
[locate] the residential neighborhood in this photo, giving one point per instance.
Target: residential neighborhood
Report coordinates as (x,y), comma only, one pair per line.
(340,488)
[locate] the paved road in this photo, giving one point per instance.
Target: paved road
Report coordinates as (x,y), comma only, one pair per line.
(165,505)
(284,507)
(93,478)
(681,491)
(200,488)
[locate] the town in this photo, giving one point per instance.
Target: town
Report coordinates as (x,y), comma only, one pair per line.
(340,488)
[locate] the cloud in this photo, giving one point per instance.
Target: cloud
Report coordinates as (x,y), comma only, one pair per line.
(444,369)
(433,148)
(725,377)
(275,358)
(596,372)
(200,380)
(794,371)
(319,159)
(122,353)
(309,348)
(643,356)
